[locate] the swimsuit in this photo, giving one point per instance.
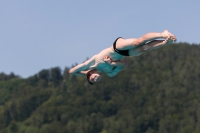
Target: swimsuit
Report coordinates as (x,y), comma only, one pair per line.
(121,52)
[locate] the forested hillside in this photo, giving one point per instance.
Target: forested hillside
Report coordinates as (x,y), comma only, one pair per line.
(158,92)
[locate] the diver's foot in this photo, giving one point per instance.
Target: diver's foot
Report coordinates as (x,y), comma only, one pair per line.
(166,34)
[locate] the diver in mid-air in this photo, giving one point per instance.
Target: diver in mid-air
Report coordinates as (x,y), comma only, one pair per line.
(109,61)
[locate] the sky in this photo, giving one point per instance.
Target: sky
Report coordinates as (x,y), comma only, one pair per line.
(42,34)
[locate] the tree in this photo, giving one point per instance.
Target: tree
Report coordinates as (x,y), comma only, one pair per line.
(56,76)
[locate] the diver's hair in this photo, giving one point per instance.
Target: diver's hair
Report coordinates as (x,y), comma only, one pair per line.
(88,77)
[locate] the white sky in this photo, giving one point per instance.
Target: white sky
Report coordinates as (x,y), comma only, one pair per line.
(36,35)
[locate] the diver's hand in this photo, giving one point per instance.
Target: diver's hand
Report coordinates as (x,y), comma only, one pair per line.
(107,59)
(168,41)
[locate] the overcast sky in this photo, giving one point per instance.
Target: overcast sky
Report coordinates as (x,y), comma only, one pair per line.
(41,34)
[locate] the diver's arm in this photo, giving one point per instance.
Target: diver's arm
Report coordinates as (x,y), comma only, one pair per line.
(115,71)
(80,73)
(82,69)
(119,63)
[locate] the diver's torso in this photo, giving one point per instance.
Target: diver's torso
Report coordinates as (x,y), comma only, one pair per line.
(102,66)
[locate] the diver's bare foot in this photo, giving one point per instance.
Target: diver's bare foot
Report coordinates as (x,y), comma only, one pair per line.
(166,34)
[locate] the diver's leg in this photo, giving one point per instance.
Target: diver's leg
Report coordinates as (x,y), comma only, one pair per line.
(125,44)
(152,36)
(156,44)
(149,46)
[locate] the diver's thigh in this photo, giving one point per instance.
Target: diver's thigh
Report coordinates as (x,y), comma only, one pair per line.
(125,44)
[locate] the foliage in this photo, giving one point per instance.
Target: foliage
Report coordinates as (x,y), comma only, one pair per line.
(158,92)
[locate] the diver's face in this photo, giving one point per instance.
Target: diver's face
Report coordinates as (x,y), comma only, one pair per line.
(95,77)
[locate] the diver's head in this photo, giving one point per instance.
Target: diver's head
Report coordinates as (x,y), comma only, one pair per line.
(93,76)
